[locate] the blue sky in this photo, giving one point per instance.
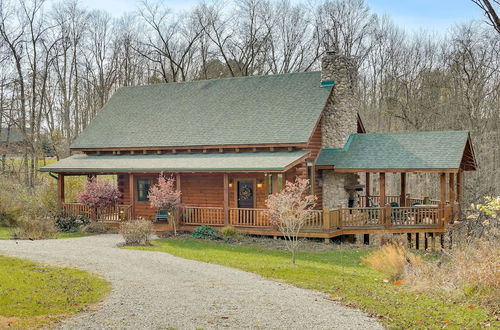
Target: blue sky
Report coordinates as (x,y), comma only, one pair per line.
(410,14)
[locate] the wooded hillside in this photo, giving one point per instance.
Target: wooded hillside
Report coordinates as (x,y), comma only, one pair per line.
(60,63)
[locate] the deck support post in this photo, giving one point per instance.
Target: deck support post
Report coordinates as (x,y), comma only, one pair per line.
(402,198)
(131,188)
(417,241)
(441,240)
(226,199)
(426,242)
(60,189)
(368,185)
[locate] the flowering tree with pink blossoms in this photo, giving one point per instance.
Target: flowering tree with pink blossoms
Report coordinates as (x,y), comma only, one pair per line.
(289,211)
(164,196)
(99,194)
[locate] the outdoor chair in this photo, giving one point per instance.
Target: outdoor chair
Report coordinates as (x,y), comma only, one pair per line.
(162,215)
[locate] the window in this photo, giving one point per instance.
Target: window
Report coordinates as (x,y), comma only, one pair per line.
(143,189)
(272,179)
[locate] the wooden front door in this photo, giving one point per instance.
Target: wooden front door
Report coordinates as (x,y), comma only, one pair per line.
(245,194)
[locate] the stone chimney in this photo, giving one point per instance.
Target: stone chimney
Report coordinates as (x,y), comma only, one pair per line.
(340,116)
(340,119)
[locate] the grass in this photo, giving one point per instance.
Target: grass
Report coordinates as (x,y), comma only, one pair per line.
(339,273)
(32,295)
(5,234)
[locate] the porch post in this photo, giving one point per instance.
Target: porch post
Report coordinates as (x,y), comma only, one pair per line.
(60,189)
(442,188)
(451,188)
(178,182)
(442,197)
(226,199)
(132,194)
(382,188)
(460,180)
(367,188)
(383,210)
(178,211)
(402,198)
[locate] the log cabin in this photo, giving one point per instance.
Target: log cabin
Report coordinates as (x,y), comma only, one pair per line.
(231,142)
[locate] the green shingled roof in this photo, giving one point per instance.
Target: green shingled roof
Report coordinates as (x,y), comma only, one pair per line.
(409,150)
(233,111)
(252,161)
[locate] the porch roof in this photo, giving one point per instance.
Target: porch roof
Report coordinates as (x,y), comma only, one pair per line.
(210,162)
(408,151)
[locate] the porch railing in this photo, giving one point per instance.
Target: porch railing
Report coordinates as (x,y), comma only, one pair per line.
(325,220)
(248,217)
(113,213)
(195,215)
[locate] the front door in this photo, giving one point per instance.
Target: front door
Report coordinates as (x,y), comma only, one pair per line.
(245,194)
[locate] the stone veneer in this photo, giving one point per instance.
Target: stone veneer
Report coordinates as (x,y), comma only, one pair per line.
(338,122)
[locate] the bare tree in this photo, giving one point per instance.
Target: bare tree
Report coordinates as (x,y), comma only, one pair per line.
(490,12)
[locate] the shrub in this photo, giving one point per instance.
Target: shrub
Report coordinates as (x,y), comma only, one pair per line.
(17,200)
(31,228)
(205,232)
(229,233)
(137,232)
(470,271)
(71,224)
(391,260)
(96,227)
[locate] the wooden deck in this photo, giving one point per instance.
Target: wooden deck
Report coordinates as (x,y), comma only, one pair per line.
(324,223)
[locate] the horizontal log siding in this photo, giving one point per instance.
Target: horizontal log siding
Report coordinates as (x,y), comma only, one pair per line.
(204,190)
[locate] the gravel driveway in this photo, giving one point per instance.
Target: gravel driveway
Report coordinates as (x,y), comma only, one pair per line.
(155,290)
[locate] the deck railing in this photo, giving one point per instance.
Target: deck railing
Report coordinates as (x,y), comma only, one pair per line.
(374,200)
(114,213)
(361,217)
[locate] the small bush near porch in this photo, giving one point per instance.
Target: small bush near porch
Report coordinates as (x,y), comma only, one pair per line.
(32,295)
(340,273)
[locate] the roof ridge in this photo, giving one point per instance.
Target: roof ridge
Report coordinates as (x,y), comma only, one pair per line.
(413,132)
(224,78)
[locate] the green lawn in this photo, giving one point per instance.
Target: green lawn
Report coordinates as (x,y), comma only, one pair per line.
(339,273)
(32,295)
